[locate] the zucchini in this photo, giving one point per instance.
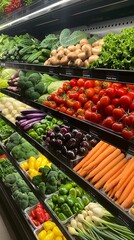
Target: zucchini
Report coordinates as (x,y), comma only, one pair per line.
(34,56)
(42,59)
(46,52)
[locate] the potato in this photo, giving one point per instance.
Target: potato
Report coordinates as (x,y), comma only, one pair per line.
(87,49)
(78,51)
(78,62)
(60,54)
(60,48)
(86,63)
(54,52)
(72,48)
(96,50)
(64,60)
(99,42)
(82,56)
(93,58)
(54,61)
(71,63)
(78,46)
(72,56)
(47,62)
(84,41)
(66,51)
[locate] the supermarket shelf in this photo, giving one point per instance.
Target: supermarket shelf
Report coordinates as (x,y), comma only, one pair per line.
(34,190)
(15,216)
(96,194)
(123,76)
(97,131)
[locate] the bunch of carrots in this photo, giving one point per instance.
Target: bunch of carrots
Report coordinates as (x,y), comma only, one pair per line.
(105,166)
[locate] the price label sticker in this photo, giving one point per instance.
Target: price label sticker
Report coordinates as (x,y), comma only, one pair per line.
(69,72)
(87,73)
(112,77)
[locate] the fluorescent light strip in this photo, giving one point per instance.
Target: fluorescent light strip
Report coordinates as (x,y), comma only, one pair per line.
(41,11)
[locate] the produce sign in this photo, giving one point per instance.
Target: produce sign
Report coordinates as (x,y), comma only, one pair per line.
(108,104)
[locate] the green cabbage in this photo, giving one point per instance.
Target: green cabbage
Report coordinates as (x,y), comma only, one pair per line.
(7,73)
(54,86)
(43,98)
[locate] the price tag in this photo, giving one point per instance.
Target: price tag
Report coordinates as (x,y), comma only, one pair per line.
(112,77)
(87,73)
(51,70)
(69,72)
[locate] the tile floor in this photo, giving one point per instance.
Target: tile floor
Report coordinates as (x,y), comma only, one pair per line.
(4,235)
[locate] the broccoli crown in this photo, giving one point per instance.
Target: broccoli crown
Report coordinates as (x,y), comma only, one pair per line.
(31,93)
(14,139)
(24,151)
(50,189)
(37,180)
(10,179)
(22,200)
(42,188)
(39,88)
(34,78)
(32,199)
(44,170)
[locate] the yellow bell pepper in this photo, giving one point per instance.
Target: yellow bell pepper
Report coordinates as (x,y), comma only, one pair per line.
(24,165)
(42,235)
(49,225)
(37,163)
(49,236)
(31,162)
(49,164)
(59,238)
(33,173)
(57,231)
(44,162)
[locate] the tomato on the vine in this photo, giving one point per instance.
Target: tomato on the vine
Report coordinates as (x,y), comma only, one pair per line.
(89,92)
(121,91)
(80,82)
(128,133)
(117,85)
(62,109)
(89,84)
(131,86)
(94,108)
(81,116)
(98,83)
(128,119)
(60,91)
(108,122)
(73,82)
(102,93)
(109,110)
(131,107)
(82,90)
(93,116)
(50,104)
(117,126)
(131,94)
(83,98)
(70,111)
(80,111)
(118,113)
(75,89)
(58,99)
(88,104)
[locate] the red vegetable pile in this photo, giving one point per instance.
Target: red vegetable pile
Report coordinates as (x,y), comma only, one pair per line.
(38,215)
(108,104)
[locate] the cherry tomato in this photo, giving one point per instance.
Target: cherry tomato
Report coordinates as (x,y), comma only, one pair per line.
(116,102)
(107,84)
(89,92)
(102,93)
(109,110)
(117,85)
(70,111)
(82,90)
(73,82)
(118,113)
(121,91)
(95,98)
(117,126)
(125,101)
(89,84)
(98,83)
(88,104)
(77,105)
(66,86)
(83,98)
(111,92)
(128,133)
(74,95)
(70,102)
(97,89)
(108,122)
(131,107)
(80,82)
(104,101)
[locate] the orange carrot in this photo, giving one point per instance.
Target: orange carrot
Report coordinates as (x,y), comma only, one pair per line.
(113,192)
(103,180)
(126,191)
(89,155)
(100,150)
(100,158)
(126,182)
(106,165)
(129,200)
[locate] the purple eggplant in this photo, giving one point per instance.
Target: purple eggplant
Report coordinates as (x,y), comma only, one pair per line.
(79,135)
(63,130)
(35,115)
(28,126)
(93,142)
(59,143)
(25,112)
(85,144)
(67,136)
(20,118)
(57,128)
(30,121)
(22,121)
(60,136)
(71,155)
(72,143)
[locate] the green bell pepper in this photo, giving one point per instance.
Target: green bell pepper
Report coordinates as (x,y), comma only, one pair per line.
(62,216)
(50,203)
(65,188)
(48,117)
(73,192)
(71,200)
(77,208)
(57,210)
(79,191)
(55,197)
(86,199)
(40,131)
(79,200)
(62,199)
(66,210)
(54,120)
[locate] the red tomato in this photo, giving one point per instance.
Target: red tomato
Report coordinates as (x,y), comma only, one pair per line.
(109,110)
(63,109)
(117,85)
(83,98)
(98,83)
(73,82)
(95,98)
(80,111)
(97,89)
(70,111)
(80,82)
(88,104)
(33,213)
(102,93)
(89,84)
(131,86)
(111,92)
(82,90)
(73,95)
(94,108)
(108,122)
(118,113)
(39,205)
(77,105)
(52,104)
(75,89)
(117,126)
(93,116)
(107,84)
(53,96)
(88,114)
(81,116)
(121,91)
(60,91)
(89,92)
(58,99)
(128,133)
(104,101)
(125,101)
(128,119)
(131,94)
(70,102)
(66,86)
(116,102)
(131,107)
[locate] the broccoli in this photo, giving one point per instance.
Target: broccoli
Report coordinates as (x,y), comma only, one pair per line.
(34,78)
(54,168)
(22,74)
(50,189)
(39,88)
(45,170)
(37,180)
(16,193)
(24,151)
(15,139)
(32,199)
(42,188)
(10,179)
(22,200)
(21,186)
(32,94)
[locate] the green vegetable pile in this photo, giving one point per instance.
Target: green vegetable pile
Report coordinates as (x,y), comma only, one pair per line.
(38,130)
(5,130)
(33,85)
(6,168)
(71,199)
(50,180)
(117,51)
(20,148)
